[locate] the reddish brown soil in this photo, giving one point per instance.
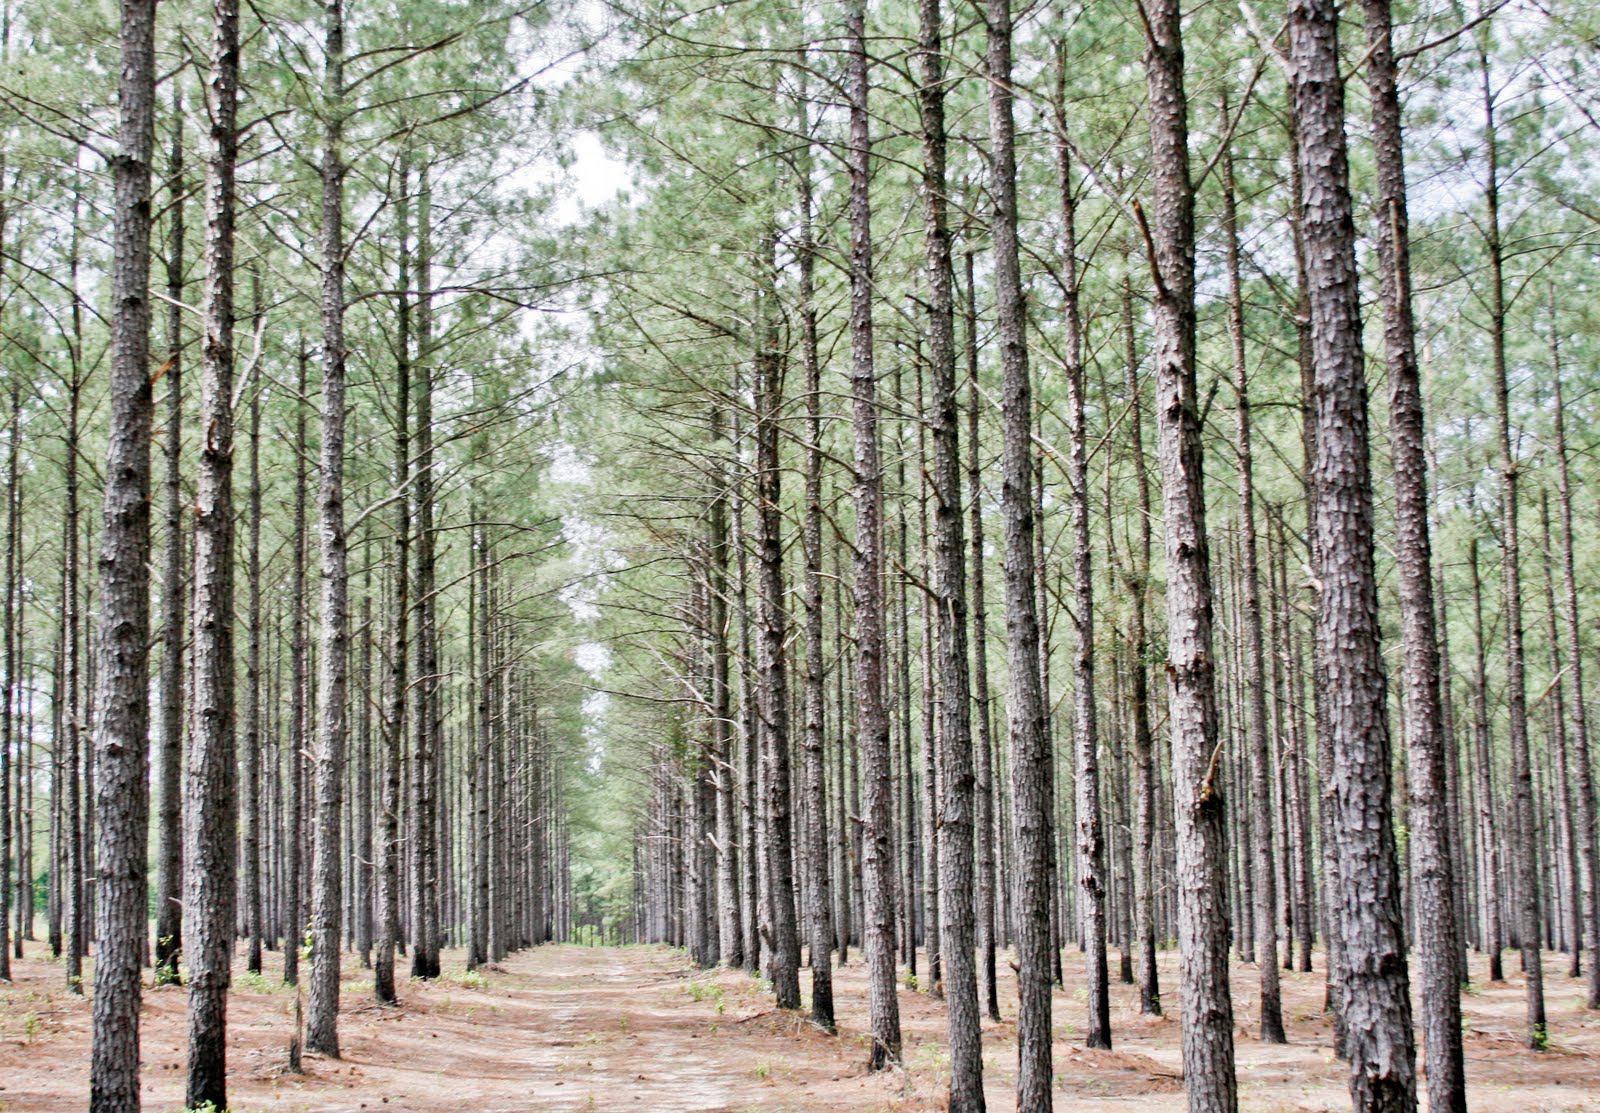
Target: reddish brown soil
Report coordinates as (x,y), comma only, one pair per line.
(570,1028)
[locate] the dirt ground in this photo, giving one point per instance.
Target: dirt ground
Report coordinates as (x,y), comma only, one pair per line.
(569,1028)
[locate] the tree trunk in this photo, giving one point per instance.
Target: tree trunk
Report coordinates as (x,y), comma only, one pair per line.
(819,893)
(1524,862)
(784,966)
(1031,792)
(427,747)
(1091,858)
(169,808)
(872,716)
(1432,865)
(1191,693)
(1258,744)
(1144,760)
(122,732)
(1583,786)
(322,1016)
(954,828)
(1376,1004)
(210,811)
(985,786)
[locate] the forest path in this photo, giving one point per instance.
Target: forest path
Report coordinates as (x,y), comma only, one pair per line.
(565,1028)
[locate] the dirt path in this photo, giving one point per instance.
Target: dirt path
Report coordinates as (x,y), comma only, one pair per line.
(569,1028)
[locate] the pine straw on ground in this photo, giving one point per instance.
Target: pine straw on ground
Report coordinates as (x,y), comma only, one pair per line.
(570,1028)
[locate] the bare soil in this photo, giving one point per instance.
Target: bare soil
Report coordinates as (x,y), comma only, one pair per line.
(570,1028)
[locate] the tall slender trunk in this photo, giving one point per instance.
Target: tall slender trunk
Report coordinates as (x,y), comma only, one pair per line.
(1144,759)
(1258,744)
(1564,835)
(427,739)
(210,812)
(395,691)
(1376,1003)
(1524,860)
(784,966)
(730,925)
(872,716)
(984,773)
(954,829)
(1191,684)
(1488,836)
(122,729)
(322,1016)
(70,723)
(1583,786)
(169,771)
(1091,859)
(1433,872)
(13,835)
(1031,792)
(294,923)
(252,735)
(819,893)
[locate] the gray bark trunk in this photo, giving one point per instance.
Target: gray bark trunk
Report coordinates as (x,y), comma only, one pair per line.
(1031,792)
(953,831)
(1198,805)
(322,1015)
(210,805)
(1375,1002)
(122,731)
(872,716)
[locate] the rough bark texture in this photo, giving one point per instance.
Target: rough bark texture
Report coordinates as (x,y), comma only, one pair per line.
(210,819)
(1524,859)
(872,716)
(819,894)
(1191,683)
(1432,864)
(984,766)
(169,767)
(1375,1000)
(954,830)
(783,966)
(424,689)
(1144,762)
(1031,796)
(1258,745)
(251,734)
(1091,847)
(122,729)
(322,1015)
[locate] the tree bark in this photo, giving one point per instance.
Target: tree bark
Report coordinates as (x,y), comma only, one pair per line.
(1258,743)
(122,730)
(169,807)
(1091,848)
(1376,1003)
(1144,759)
(954,829)
(1433,869)
(322,1015)
(210,811)
(872,716)
(1524,863)
(1191,685)
(984,772)
(819,893)
(1031,792)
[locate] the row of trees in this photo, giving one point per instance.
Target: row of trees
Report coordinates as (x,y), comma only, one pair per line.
(262,303)
(928,320)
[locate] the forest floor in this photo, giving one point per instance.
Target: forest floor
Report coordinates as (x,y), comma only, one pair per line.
(571,1028)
